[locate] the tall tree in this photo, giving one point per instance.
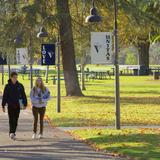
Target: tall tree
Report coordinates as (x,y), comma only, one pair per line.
(144,24)
(67,46)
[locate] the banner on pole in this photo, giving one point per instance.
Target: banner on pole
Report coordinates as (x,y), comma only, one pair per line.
(22,56)
(3,60)
(101,47)
(48,54)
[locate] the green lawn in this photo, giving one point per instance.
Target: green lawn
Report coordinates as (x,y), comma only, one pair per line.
(141,144)
(140,99)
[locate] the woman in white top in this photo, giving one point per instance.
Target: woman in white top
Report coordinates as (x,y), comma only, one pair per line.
(39,96)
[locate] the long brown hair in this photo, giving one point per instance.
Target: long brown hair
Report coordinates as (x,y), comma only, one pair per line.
(42,87)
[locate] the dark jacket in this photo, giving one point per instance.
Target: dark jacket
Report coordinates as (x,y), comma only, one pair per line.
(12,93)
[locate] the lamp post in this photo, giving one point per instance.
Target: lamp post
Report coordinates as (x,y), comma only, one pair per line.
(31,60)
(94,17)
(58,77)
(2,74)
(3,62)
(43,33)
(46,75)
(117,90)
(9,66)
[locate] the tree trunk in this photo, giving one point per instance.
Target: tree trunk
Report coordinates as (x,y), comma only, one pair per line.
(67,47)
(82,74)
(9,71)
(143,51)
(2,74)
(9,67)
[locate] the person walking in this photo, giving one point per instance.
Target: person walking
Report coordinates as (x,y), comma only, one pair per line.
(14,96)
(39,96)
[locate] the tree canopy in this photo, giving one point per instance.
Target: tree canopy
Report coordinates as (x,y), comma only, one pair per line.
(138,23)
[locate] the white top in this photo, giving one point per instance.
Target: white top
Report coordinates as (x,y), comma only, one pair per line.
(39,99)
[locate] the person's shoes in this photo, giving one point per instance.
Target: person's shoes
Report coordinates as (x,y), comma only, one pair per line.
(12,136)
(34,136)
(40,136)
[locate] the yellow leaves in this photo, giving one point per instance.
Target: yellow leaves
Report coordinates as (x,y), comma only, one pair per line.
(142,131)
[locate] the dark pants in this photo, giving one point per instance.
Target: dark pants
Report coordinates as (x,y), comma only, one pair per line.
(13,114)
(41,113)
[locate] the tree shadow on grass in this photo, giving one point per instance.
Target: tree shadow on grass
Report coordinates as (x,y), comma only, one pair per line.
(124,91)
(125,100)
(127,145)
(79,122)
(143,92)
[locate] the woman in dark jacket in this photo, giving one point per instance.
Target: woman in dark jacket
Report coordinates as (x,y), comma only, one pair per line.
(13,95)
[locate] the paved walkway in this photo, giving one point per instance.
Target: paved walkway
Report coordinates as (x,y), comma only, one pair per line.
(57,145)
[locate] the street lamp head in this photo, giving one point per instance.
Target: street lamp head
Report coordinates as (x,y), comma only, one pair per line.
(42,33)
(93,17)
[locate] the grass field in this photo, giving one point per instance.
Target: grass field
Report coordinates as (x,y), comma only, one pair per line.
(140,99)
(139,104)
(143,144)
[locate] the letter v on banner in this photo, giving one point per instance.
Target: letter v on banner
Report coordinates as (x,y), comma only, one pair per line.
(101,47)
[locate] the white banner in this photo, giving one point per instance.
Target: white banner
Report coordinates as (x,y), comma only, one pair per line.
(101,47)
(22,56)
